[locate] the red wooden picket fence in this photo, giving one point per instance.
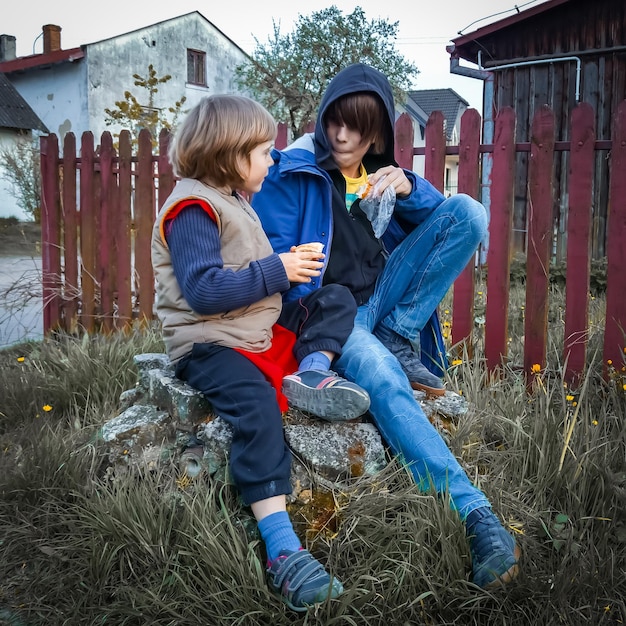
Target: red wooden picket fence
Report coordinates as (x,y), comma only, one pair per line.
(99,208)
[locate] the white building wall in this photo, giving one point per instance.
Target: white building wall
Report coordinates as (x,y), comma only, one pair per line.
(58,95)
(113,62)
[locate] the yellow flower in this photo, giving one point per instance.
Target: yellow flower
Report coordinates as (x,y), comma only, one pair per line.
(624,386)
(447,312)
(480,293)
(459,361)
(536,368)
(609,362)
(569,398)
(20,359)
(574,403)
(46,408)
(595,422)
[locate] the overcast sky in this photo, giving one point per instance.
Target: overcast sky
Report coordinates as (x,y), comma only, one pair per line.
(422,38)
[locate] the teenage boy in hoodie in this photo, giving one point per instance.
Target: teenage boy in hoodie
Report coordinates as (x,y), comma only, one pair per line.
(398,279)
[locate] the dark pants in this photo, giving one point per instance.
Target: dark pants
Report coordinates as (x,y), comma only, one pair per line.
(260,461)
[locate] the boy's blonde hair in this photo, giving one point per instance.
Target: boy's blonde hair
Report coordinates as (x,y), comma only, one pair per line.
(216,135)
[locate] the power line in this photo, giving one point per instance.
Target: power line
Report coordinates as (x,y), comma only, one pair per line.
(514,8)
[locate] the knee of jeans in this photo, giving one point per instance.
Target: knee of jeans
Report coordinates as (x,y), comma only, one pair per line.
(469,211)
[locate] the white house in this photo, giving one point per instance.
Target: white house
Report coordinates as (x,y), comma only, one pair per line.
(17,123)
(70,89)
(419,105)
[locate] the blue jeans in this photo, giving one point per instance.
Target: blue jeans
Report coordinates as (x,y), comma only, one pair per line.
(418,274)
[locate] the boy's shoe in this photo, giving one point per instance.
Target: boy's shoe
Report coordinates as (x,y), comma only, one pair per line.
(419,376)
(301,580)
(326,395)
(495,555)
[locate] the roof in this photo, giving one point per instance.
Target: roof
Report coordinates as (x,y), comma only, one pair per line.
(15,111)
(466,41)
(447,101)
(74,54)
(42,60)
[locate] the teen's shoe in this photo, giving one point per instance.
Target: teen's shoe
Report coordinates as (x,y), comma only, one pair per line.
(495,555)
(301,580)
(326,395)
(419,376)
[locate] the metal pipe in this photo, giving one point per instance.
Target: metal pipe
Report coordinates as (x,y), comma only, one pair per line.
(536,62)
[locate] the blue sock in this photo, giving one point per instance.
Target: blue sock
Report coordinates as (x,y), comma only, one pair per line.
(278,534)
(315,361)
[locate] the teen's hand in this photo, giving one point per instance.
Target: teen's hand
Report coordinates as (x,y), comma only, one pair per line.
(393,176)
(301,266)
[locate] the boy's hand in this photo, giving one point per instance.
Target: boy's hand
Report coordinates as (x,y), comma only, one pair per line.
(393,176)
(301,265)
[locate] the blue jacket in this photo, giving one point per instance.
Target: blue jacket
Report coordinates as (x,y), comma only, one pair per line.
(295,203)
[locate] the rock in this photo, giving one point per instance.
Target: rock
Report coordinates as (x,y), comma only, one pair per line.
(165,421)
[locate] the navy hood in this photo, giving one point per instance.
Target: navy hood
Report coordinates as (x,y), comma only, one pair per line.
(353,79)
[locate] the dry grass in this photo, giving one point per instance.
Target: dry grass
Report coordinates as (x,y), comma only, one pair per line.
(78,549)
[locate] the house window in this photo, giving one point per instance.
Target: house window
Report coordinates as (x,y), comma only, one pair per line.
(196,73)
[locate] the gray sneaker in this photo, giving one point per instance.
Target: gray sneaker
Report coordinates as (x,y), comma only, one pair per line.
(419,376)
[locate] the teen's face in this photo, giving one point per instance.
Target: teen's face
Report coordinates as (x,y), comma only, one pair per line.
(255,170)
(348,148)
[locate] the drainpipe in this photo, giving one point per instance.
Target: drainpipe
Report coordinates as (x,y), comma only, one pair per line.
(488,130)
(486,74)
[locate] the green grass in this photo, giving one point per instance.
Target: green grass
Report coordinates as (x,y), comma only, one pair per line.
(78,548)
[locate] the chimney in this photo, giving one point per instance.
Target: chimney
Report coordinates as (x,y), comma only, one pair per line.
(7,48)
(51,38)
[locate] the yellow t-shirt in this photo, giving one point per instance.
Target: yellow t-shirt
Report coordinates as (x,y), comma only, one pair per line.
(352,187)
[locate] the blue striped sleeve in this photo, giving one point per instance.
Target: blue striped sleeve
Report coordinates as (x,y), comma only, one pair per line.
(195,249)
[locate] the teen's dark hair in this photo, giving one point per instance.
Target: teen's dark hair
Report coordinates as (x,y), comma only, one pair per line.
(363,112)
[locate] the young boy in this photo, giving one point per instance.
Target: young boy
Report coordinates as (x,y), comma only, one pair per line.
(397,278)
(219,287)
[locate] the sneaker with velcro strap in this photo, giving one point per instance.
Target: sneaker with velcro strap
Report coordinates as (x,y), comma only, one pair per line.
(325,394)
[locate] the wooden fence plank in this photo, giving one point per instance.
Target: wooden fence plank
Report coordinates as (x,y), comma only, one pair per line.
(615,325)
(578,240)
(463,293)
(106,276)
(123,238)
(50,233)
(70,235)
(539,238)
(498,256)
(403,149)
(166,176)
(87,233)
(435,157)
(281,136)
(144,220)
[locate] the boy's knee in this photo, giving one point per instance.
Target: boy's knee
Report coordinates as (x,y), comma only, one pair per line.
(470,212)
(341,296)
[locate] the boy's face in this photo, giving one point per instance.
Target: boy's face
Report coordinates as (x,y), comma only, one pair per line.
(348,147)
(255,170)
